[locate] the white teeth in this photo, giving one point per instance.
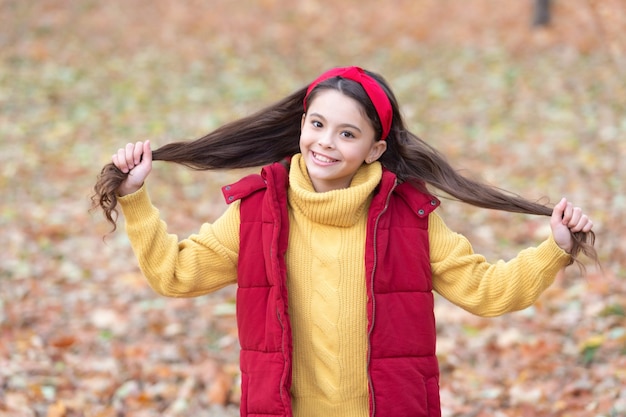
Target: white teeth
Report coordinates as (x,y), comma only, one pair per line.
(323,158)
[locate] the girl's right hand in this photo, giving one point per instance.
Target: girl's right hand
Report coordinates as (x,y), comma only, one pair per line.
(136,161)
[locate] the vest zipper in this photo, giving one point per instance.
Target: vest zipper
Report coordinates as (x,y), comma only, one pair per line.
(282,348)
(369,334)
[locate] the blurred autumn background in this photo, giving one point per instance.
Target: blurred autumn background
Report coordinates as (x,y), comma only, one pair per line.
(536,109)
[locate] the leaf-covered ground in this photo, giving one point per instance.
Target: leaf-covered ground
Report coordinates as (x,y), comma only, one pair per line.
(538,112)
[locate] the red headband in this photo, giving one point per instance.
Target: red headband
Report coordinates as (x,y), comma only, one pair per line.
(373,90)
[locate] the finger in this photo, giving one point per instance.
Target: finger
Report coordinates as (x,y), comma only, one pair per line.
(147,152)
(583,225)
(567,213)
(557,211)
(577,214)
(137,152)
(130,158)
(116,162)
(121,160)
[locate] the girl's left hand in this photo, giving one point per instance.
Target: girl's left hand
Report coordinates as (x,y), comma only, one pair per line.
(566,219)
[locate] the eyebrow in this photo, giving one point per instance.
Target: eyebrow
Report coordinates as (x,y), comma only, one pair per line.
(341,125)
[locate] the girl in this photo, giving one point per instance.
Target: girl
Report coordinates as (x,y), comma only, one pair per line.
(335,248)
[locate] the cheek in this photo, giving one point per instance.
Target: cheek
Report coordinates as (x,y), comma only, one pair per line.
(303,141)
(305,136)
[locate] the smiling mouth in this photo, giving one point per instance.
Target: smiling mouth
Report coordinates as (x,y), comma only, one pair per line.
(323,158)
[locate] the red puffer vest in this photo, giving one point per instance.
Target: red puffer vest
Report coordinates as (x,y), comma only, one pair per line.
(402,367)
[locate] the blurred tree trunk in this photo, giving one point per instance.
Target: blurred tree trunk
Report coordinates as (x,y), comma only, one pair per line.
(541,13)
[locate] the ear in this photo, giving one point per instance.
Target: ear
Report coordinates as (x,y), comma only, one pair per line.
(378,148)
(302,122)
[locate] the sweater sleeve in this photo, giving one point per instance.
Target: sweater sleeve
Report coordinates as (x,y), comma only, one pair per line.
(485,289)
(200,264)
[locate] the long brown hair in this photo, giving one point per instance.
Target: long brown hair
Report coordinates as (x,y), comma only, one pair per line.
(272,134)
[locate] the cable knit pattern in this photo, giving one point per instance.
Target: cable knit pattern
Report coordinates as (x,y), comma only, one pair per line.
(326,267)
(325,312)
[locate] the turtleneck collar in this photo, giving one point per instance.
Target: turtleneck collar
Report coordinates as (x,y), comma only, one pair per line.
(342,208)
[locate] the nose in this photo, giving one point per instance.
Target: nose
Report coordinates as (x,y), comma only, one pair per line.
(325,139)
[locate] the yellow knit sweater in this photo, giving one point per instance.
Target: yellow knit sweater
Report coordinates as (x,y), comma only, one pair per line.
(327,295)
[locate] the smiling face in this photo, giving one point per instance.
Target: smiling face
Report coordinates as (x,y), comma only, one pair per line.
(336,139)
